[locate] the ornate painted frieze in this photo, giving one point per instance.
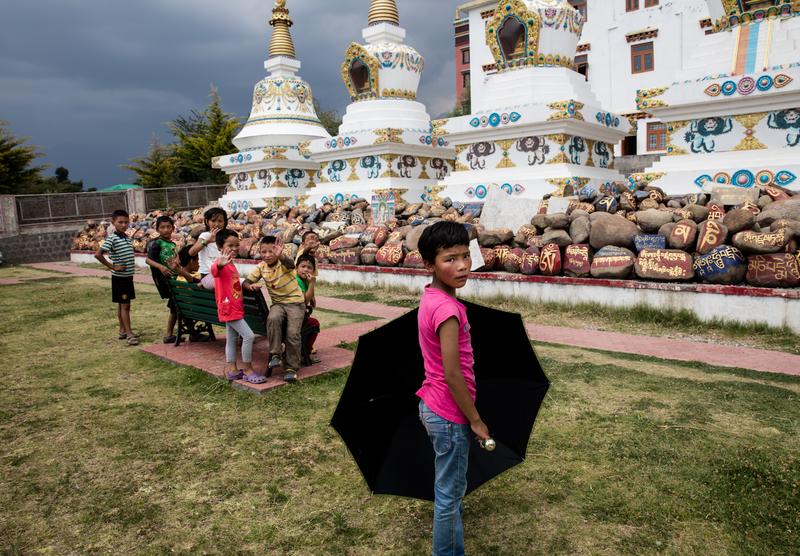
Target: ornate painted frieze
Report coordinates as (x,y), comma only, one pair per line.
(566,110)
(646,98)
(748,85)
(282,94)
(372,167)
(746,178)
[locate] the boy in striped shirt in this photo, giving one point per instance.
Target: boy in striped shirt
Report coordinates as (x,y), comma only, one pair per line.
(288,305)
(119,248)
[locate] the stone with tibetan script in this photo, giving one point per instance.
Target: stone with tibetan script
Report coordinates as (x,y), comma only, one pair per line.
(413,260)
(530,261)
(391,254)
(550,260)
(345,242)
(724,265)
(501,252)
(613,262)
(716,211)
(381,235)
(681,214)
(607,204)
(355,229)
(587,193)
(577,261)
(710,235)
(739,219)
(776,193)
(627,201)
(488,259)
(664,264)
(759,243)
(369,254)
(586,207)
(346,256)
(323,254)
(513,261)
(649,241)
(774,271)
(751,206)
(683,235)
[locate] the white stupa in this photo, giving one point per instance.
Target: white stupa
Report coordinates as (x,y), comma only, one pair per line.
(273,165)
(385,143)
(733,113)
(540,129)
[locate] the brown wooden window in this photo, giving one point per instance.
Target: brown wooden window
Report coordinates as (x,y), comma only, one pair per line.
(656,136)
(465,56)
(642,58)
(582,65)
(465,79)
(650,3)
(631,5)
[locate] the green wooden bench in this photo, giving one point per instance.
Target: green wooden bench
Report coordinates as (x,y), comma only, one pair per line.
(197,310)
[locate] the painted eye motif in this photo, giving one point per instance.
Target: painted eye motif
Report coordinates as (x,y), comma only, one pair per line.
(713,90)
(507,188)
(470,192)
(481,191)
(518,189)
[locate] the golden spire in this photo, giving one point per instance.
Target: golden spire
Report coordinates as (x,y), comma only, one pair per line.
(383,11)
(281,43)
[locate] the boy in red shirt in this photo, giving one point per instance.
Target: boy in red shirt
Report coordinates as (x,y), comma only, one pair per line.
(230,309)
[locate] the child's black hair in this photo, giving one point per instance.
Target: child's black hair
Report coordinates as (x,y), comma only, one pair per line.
(441,235)
(305,258)
(268,240)
(161,219)
(119,214)
(184,257)
(308,232)
(211,213)
(223,235)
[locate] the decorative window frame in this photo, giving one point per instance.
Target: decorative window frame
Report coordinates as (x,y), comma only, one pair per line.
(357,52)
(529,19)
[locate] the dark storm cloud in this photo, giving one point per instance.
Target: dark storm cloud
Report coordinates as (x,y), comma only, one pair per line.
(90,81)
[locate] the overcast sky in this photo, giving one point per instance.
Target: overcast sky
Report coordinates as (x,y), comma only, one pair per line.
(90,81)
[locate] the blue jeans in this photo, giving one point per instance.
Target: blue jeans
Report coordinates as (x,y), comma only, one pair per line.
(451,445)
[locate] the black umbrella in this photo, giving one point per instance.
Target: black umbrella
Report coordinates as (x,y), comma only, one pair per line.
(378,416)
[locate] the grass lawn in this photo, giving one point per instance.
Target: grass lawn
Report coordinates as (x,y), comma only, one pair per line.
(592,316)
(107,450)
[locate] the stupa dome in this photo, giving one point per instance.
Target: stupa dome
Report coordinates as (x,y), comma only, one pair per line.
(384,68)
(525,33)
(283,110)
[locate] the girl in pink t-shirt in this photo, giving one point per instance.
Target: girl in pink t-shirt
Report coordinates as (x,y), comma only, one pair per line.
(230,309)
(447,396)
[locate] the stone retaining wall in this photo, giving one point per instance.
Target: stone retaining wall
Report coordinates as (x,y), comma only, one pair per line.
(38,247)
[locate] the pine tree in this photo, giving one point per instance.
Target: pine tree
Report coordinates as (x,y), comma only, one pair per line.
(331,120)
(157,168)
(200,137)
(16,162)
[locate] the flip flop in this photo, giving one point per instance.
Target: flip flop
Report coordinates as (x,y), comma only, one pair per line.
(123,335)
(239,375)
(255,379)
(170,339)
(133,341)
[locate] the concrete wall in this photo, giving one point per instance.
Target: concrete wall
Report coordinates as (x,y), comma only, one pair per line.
(45,244)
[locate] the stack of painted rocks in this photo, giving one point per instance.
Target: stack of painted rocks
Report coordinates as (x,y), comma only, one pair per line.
(609,234)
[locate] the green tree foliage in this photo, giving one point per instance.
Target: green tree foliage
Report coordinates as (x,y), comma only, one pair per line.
(157,168)
(331,120)
(16,162)
(463,107)
(200,137)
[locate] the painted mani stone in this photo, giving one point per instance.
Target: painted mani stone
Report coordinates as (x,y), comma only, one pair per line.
(710,235)
(346,256)
(759,243)
(550,260)
(530,262)
(716,211)
(577,261)
(390,254)
(683,235)
(345,242)
(722,265)
(488,258)
(664,264)
(513,261)
(413,260)
(649,241)
(774,271)
(369,254)
(501,253)
(613,262)
(607,204)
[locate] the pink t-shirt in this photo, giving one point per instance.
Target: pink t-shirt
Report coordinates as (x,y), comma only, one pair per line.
(228,290)
(435,308)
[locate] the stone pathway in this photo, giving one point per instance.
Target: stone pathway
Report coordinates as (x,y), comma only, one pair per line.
(333,357)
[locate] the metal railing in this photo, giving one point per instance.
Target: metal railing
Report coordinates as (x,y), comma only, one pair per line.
(185,197)
(68,207)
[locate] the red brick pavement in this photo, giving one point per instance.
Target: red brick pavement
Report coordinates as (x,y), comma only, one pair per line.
(663,348)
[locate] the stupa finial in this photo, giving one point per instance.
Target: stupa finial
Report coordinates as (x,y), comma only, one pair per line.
(281,43)
(383,11)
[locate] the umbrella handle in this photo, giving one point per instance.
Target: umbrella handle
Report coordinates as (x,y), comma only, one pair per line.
(489,444)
